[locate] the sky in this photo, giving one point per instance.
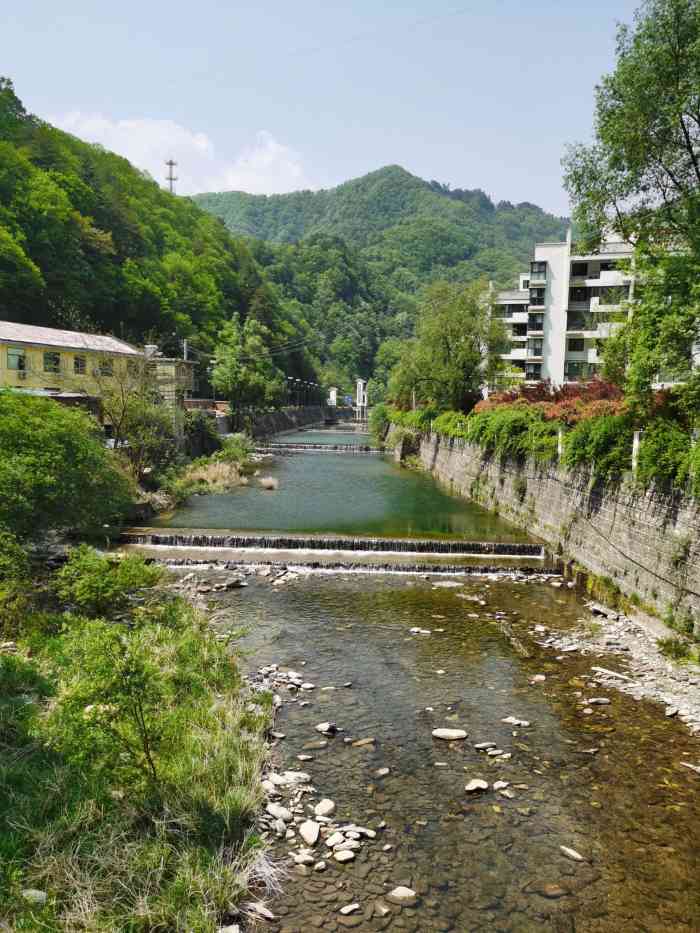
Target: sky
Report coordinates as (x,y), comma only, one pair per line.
(272,96)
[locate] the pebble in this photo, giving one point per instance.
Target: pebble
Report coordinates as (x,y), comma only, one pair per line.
(279,812)
(327,728)
(405,897)
(598,701)
(571,854)
(344,855)
(476,786)
(382,772)
(349,909)
(449,735)
(324,808)
(320,866)
(309,832)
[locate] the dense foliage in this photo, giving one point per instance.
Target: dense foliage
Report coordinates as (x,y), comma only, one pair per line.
(90,243)
(55,472)
(455,351)
(641,179)
(408,230)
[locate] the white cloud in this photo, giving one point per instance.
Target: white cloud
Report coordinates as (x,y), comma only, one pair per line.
(266,166)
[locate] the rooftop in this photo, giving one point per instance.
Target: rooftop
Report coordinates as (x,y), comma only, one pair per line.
(65,339)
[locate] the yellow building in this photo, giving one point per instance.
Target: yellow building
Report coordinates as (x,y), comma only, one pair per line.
(63,360)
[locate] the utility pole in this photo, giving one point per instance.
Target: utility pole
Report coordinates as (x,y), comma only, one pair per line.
(170,178)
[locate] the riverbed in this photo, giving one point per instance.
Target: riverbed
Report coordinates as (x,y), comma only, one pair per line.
(585,817)
(603,780)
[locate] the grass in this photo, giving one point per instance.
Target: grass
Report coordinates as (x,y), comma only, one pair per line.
(81,817)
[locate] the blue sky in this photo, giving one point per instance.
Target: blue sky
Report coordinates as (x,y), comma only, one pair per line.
(269,96)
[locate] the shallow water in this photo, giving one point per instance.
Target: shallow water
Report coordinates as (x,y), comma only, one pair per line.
(346,494)
(488,863)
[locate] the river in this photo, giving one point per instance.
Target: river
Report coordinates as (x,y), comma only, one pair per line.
(600,780)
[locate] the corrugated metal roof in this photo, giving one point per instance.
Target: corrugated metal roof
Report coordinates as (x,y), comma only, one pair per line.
(67,339)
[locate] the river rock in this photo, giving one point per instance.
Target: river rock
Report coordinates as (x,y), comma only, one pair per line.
(476,786)
(571,854)
(320,866)
(324,808)
(449,735)
(345,855)
(309,831)
(261,910)
(382,772)
(404,897)
(349,909)
(279,812)
(334,840)
(370,740)
(598,701)
(327,728)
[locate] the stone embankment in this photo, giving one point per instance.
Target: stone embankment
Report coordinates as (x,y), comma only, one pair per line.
(646,543)
(291,419)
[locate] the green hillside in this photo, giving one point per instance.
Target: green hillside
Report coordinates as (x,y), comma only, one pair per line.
(89,242)
(407,230)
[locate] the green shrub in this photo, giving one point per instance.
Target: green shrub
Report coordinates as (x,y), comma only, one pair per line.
(677,649)
(604,443)
(201,437)
(419,419)
(516,431)
(54,469)
(378,421)
(236,449)
(451,424)
(98,585)
(664,453)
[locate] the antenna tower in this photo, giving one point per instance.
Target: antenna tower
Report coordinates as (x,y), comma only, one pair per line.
(170,178)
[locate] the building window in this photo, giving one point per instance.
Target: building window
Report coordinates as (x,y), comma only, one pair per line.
(534,347)
(520,330)
(537,296)
(79,365)
(576,344)
(533,370)
(538,270)
(608,265)
(526,284)
(106,368)
(535,322)
(579,269)
(52,361)
(16,360)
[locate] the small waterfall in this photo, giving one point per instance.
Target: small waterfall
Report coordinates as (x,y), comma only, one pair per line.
(207,539)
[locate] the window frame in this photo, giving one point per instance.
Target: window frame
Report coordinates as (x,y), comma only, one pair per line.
(576,349)
(105,368)
(20,357)
(80,366)
(52,362)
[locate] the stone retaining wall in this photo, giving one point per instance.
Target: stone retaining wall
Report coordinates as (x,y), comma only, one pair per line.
(290,419)
(646,543)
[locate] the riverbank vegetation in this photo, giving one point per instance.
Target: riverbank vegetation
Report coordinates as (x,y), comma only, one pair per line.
(130,753)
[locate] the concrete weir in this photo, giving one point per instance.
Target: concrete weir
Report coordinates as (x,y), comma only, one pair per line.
(399,554)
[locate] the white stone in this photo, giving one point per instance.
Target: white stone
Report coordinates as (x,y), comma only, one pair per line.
(309,831)
(345,855)
(381,772)
(279,812)
(598,701)
(449,735)
(571,853)
(34,896)
(308,686)
(261,910)
(500,785)
(326,727)
(320,866)
(334,840)
(324,808)
(296,777)
(476,786)
(349,909)
(406,897)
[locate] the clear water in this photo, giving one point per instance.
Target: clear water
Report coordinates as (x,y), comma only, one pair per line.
(486,864)
(352,494)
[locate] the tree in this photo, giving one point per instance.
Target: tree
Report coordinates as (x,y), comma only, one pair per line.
(456,351)
(245,370)
(641,180)
(55,472)
(641,176)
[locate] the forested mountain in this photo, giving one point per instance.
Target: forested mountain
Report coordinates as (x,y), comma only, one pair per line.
(407,230)
(89,242)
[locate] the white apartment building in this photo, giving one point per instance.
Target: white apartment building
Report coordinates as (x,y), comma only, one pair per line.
(563,308)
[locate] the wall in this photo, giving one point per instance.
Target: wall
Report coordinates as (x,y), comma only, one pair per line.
(289,419)
(648,544)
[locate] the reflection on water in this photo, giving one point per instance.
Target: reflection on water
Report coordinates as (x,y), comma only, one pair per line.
(345,494)
(608,784)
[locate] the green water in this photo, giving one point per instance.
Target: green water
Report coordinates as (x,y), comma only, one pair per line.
(344,494)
